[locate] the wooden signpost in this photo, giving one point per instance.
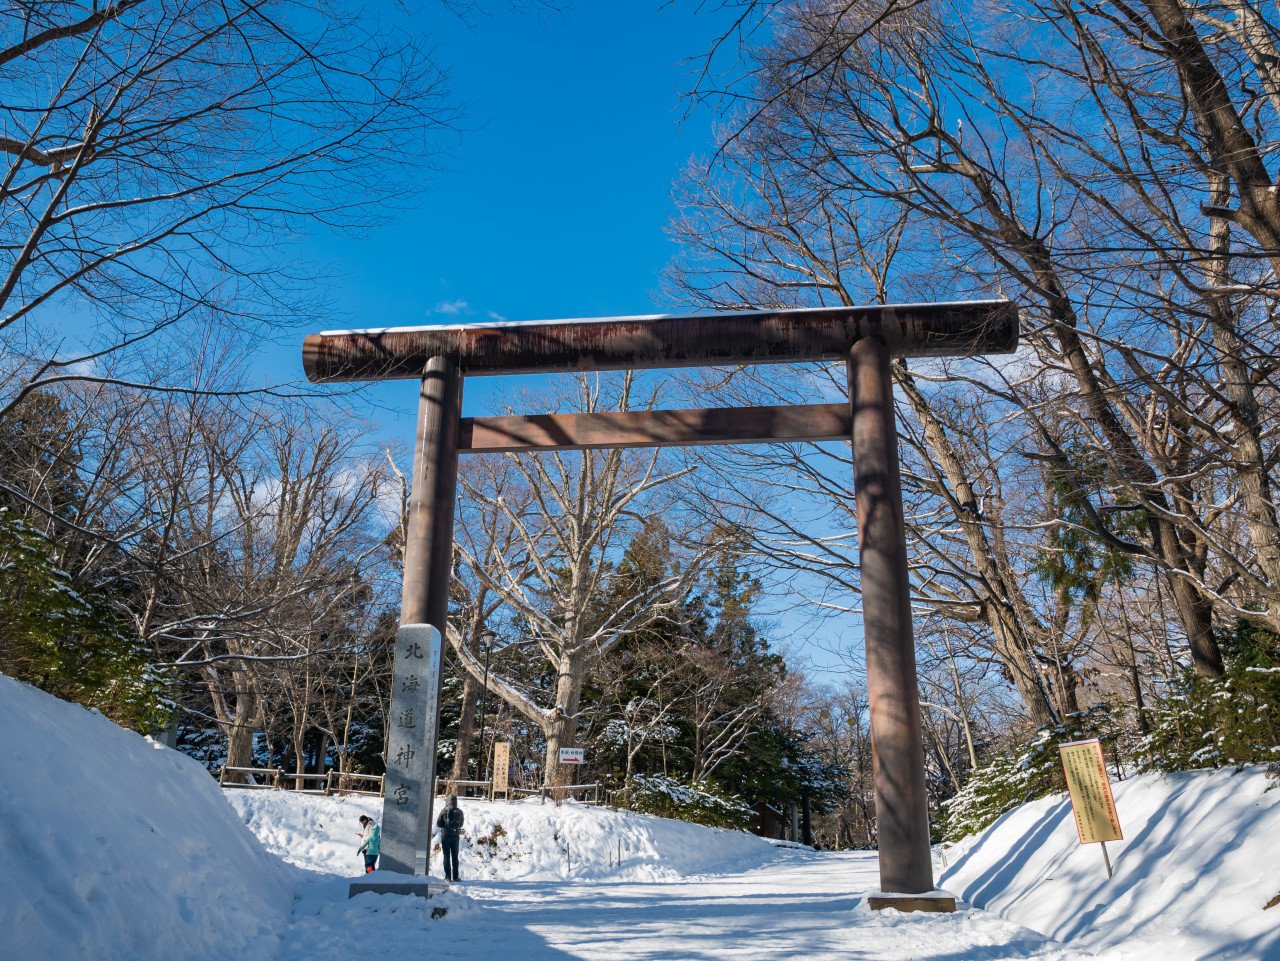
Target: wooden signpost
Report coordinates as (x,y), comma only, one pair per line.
(501,770)
(1091,797)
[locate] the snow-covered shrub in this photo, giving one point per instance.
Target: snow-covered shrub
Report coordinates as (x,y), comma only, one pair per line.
(492,839)
(702,803)
(1006,782)
(1214,722)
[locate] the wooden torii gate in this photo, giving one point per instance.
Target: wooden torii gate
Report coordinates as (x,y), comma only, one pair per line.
(866,338)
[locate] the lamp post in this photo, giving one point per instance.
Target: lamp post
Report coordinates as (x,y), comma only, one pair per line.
(789,814)
(487,638)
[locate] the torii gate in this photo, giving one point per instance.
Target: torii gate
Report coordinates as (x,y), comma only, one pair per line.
(865,337)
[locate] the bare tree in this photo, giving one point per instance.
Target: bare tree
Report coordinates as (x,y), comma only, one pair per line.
(279,532)
(1082,158)
(567,529)
(160,155)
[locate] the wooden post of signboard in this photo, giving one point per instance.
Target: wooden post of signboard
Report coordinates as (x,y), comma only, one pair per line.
(500,772)
(1092,802)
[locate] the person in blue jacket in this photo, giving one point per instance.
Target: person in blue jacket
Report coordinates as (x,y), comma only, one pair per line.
(370,843)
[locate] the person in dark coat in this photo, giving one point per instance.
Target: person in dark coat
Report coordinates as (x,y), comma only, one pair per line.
(450,824)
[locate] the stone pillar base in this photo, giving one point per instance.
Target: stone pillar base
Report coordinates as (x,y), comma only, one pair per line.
(388,882)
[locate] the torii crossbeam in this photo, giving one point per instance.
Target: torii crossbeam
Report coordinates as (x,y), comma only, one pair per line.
(865,338)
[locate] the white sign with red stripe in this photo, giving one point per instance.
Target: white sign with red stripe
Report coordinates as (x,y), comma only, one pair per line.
(572,755)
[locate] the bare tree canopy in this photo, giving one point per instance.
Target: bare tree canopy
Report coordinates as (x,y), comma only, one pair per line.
(160,159)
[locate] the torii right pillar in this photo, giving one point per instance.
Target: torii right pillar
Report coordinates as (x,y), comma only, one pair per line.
(897,746)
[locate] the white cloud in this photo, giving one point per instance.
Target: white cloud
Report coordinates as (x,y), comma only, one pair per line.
(452,308)
(494,315)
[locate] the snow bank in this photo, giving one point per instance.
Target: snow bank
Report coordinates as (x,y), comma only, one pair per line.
(1200,861)
(115,847)
(521,840)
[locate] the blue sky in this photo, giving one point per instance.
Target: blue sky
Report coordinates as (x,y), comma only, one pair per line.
(553,201)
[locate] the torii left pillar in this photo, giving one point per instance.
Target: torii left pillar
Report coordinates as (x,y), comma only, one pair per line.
(414,718)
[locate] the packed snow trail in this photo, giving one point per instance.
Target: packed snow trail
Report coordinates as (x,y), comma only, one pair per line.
(579,882)
(802,905)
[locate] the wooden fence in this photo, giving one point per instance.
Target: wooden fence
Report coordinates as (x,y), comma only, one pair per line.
(372,785)
(332,782)
(558,793)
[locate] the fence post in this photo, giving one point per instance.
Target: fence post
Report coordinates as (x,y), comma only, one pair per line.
(222,776)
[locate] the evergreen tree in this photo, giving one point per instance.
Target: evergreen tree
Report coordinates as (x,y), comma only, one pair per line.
(66,640)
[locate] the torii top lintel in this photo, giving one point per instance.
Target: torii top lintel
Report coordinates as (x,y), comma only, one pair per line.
(695,340)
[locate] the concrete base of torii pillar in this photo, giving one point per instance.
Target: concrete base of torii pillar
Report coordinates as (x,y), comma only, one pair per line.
(934,902)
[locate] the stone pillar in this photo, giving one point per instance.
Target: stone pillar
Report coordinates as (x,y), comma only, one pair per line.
(411,740)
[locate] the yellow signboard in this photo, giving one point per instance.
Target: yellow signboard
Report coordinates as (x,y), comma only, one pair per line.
(1090,789)
(501,767)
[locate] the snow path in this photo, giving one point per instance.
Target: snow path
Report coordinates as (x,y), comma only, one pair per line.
(802,905)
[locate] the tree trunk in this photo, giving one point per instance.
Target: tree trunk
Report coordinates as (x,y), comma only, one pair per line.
(322,752)
(466,732)
(1019,660)
(1228,138)
(299,740)
(344,752)
(1196,616)
(244,723)
(562,729)
(1250,465)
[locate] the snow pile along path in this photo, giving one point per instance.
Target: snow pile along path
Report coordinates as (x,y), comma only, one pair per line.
(1200,860)
(115,847)
(521,840)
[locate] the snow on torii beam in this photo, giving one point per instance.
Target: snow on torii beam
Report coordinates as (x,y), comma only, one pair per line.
(666,340)
(866,338)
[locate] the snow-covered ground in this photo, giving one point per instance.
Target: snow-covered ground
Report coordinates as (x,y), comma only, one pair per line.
(117,848)
(589,883)
(1199,863)
(114,848)
(524,840)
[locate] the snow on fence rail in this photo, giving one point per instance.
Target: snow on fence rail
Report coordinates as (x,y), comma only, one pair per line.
(303,779)
(557,792)
(451,786)
(344,784)
(247,774)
